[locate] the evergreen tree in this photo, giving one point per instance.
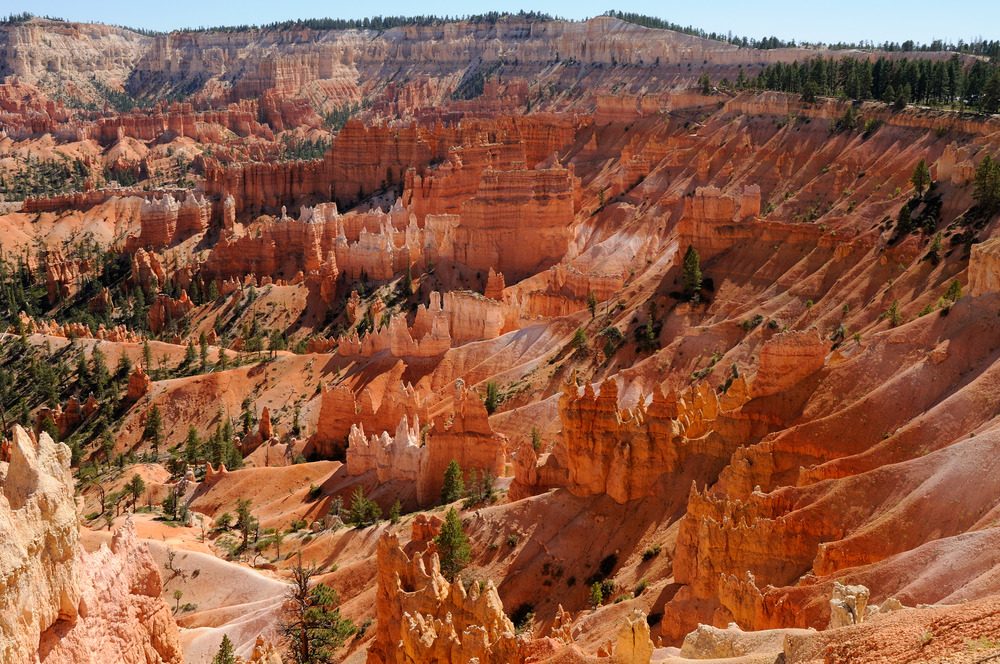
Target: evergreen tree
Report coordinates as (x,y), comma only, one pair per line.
(453,546)
(190,354)
(692,274)
(135,487)
(99,371)
(408,283)
(312,624)
(395,512)
(363,512)
(592,304)
(147,356)
(921,177)
(453,487)
(492,399)
(954,292)
(903,222)
(203,350)
(225,655)
(153,431)
(192,446)
(245,521)
(990,98)
(986,190)
(124,366)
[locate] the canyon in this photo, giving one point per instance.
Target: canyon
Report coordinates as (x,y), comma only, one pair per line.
(694,371)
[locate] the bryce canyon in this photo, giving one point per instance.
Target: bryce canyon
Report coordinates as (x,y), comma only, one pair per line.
(507,339)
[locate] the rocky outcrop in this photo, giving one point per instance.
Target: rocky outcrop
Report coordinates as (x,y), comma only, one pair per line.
(146,270)
(518,222)
(787,358)
(340,411)
(848,606)
(38,553)
(984,267)
(633,645)
(421,457)
(166,309)
(118,333)
(59,604)
(63,275)
(138,384)
(421,617)
(626,453)
(123,616)
(168,220)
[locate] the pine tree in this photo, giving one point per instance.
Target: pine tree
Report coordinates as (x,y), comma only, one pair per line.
(203,350)
(492,399)
(395,512)
(190,354)
(408,283)
(147,356)
(453,546)
(192,446)
(135,487)
(454,486)
(990,98)
(986,190)
(921,177)
(99,371)
(225,655)
(592,304)
(903,222)
(153,430)
(124,366)
(706,84)
(692,274)
(312,623)
(954,292)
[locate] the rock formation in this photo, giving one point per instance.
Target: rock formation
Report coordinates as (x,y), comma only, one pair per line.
(138,384)
(424,618)
(71,606)
(421,457)
(625,453)
(38,555)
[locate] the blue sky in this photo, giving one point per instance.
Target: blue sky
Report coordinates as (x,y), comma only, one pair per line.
(846,20)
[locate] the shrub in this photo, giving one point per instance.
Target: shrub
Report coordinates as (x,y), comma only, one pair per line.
(640,587)
(580,340)
(596,595)
(651,553)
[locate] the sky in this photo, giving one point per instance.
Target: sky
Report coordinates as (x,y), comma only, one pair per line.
(802,20)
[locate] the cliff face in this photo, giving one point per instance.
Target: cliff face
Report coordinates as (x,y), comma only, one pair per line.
(38,554)
(58,603)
